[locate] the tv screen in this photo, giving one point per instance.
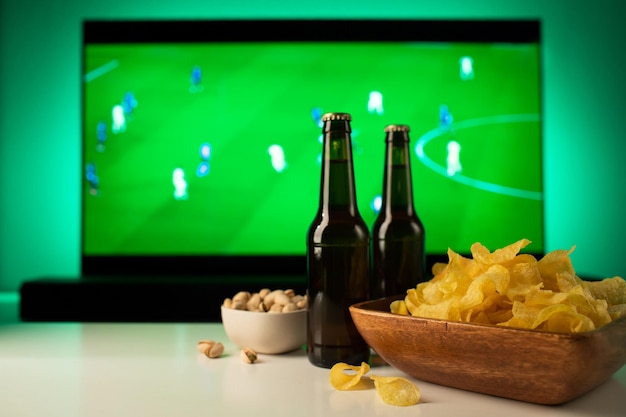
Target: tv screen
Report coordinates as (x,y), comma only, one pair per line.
(202,139)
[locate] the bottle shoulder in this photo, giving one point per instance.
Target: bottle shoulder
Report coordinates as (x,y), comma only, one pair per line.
(397,226)
(341,229)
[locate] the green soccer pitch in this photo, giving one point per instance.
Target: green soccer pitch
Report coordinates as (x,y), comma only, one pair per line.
(252,96)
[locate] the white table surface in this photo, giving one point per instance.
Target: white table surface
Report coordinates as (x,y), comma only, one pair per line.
(142,369)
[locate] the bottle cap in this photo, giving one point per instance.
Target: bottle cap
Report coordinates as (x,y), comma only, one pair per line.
(397,128)
(336,116)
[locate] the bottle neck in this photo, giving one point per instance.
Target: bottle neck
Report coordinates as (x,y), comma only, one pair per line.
(338,192)
(397,186)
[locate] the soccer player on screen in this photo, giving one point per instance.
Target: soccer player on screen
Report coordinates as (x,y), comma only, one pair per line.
(119,120)
(196,80)
(180,184)
(129,103)
(101,134)
(204,167)
(277,156)
(375,102)
(317,114)
(445,117)
(453,160)
(93,181)
(466,65)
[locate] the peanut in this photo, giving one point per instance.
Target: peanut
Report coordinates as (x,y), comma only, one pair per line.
(263,293)
(203,345)
(248,355)
(282,299)
(242,296)
(276,308)
(289,307)
(253,302)
(216,350)
(210,348)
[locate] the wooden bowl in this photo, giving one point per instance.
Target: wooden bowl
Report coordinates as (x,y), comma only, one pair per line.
(527,365)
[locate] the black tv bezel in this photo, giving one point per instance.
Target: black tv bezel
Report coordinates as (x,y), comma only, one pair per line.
(290,267)
(302,30)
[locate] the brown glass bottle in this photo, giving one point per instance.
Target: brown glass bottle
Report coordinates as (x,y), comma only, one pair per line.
(398,236)
(338,255)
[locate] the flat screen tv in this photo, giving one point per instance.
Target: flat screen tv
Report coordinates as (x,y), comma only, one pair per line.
(201,138)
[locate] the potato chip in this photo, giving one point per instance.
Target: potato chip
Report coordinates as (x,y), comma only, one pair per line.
(481,254)
(500,315)
(399,307)
(523,278)
(483,286)
(546,312)
(520,259)
(568,322)
(539,297)
(438,268)
(584,303)
(343,381)
(412,299)
(396,390)
(443,310)
(617,311)
(463,266)
(613,290)
(566,280)
(557,261)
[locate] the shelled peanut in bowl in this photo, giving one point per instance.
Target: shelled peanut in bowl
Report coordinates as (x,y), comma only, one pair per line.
(267,301)
(270,322)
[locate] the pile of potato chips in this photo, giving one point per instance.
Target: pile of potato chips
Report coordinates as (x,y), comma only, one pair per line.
(507,288)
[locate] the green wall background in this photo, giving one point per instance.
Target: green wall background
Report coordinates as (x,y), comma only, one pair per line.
(584,109)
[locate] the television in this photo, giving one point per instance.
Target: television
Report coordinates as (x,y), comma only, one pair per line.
(201,138)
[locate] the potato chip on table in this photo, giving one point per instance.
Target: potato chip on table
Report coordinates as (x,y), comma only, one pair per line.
(393,390)
(396,390)
(343,381)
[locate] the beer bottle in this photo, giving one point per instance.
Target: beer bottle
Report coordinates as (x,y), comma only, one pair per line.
(398,236)
(338,254)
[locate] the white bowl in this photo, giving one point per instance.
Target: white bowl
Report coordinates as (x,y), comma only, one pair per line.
(269,333)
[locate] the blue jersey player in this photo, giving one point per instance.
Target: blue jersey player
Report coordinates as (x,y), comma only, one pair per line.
(445,117)
(101,134)
(205,154)
(129,103)
(196,79)
(92,178)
